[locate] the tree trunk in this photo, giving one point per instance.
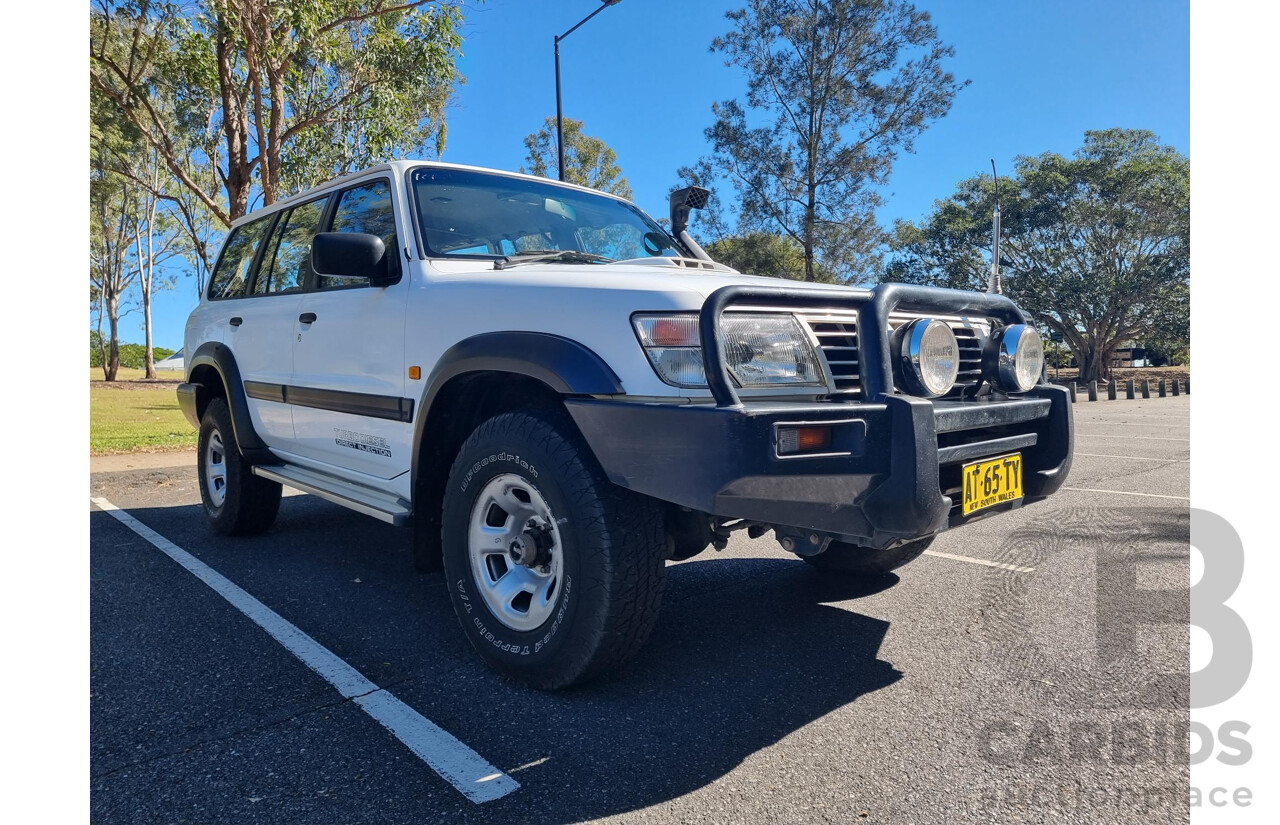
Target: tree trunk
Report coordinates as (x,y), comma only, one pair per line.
(1090,364)
(102,342)
(149,354)
(112,363)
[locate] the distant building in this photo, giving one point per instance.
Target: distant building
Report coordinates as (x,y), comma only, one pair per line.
(1130,355)
(174,363)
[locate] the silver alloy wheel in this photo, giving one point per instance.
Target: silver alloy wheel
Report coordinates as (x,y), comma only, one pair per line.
(215,468)
(516,557)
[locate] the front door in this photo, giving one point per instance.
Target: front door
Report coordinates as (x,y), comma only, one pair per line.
(348,387)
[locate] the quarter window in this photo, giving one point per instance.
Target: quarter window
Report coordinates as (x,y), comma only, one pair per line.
(231,277)
(287,265)
(366,209)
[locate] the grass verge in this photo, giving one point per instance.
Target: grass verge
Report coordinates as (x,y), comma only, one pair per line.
(136,420)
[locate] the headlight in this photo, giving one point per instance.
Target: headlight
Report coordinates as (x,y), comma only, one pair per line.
(761,349)
(928,357)
(1015,358)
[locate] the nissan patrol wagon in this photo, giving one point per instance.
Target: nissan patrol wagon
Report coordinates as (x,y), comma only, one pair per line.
(558,394)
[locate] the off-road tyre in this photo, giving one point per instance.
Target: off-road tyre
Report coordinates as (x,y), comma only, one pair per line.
(854,560)
(612,545)
(249,504)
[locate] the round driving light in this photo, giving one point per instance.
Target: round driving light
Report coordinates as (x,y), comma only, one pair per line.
(1018,357)
(929,357)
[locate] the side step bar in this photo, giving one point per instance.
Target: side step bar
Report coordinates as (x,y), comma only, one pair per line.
(382,506)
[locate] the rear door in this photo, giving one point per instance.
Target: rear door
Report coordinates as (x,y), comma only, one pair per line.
(258,338)
(348,388)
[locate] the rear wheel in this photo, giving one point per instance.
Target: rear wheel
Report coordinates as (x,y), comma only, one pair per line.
(555,573)
(855,560)
(237,502)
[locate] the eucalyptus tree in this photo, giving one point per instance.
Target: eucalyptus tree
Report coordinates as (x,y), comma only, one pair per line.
(589,161)
(1097,246)
(278,94)
(835,89)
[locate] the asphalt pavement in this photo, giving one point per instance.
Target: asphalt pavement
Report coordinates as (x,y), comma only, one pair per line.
(1030,668)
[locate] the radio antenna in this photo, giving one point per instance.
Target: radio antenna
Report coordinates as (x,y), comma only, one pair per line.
(993,283)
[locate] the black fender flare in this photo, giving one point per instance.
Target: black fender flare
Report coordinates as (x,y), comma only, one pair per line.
(219,356)
(563,364)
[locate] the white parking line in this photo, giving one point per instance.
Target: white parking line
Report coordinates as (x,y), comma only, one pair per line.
(1124,493)
(1015,568)
(1133,437)
(1132,424)
(1179,416)
(462,767)
(1135,457)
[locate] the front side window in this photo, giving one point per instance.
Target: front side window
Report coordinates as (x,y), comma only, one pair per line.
(465,213)
(286,266)
(368,209)
(231,277)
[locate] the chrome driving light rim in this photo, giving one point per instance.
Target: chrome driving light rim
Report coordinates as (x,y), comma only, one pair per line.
(1018,358)
(929,356)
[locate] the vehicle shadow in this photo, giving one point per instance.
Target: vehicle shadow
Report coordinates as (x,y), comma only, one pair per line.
(746,652)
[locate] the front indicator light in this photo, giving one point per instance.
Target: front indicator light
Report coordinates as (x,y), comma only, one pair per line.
(792,440)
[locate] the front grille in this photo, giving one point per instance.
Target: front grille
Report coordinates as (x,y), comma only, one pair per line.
(970,355)
(838,340)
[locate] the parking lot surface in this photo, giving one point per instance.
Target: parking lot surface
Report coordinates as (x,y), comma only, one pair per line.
(1030,667)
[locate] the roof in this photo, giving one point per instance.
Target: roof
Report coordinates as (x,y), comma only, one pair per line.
(399,167)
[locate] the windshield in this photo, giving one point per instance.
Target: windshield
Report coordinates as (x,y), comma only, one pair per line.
(462,213)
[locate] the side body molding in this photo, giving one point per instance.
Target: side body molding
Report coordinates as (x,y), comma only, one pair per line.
(562,364)
(218,355)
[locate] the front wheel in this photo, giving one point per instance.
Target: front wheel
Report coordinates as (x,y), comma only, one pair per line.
(854,560)
(555,573)
(237,502)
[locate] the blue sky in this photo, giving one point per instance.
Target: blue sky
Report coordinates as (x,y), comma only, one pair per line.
(641,77)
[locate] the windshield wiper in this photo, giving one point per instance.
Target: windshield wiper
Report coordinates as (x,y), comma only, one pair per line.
(535,256)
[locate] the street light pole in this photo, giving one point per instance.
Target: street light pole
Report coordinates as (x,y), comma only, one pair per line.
(559,109)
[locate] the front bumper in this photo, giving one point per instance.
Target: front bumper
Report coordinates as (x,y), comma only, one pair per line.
(188,395)
(895,477)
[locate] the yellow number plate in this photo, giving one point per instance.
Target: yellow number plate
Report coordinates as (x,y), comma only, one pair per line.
(991,482)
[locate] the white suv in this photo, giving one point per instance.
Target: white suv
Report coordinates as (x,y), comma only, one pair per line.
(559,395)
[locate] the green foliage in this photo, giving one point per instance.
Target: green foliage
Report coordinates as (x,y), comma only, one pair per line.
(131,355)
(835,89)
(762,253)
(269,98)
(588,161)
(1096,246)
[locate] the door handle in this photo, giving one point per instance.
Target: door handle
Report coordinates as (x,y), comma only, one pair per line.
(236,321)
(307,317)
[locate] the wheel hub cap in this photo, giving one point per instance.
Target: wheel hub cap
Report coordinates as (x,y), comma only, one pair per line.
(515,552)
(215,469)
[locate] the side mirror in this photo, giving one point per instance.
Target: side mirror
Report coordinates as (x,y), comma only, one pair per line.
(351,255)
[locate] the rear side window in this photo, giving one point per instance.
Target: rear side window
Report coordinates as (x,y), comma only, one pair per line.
(367,209)
(286,266)
(231,277)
